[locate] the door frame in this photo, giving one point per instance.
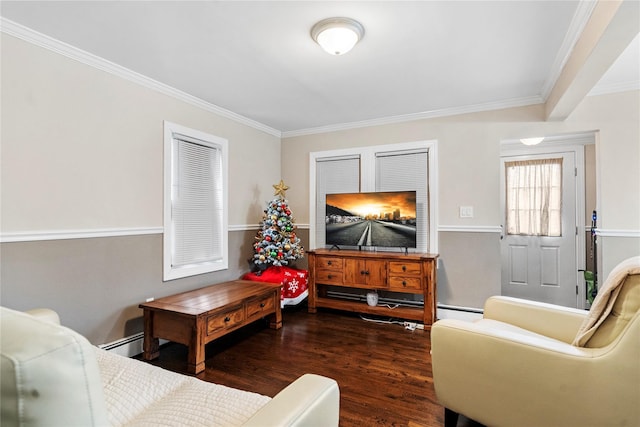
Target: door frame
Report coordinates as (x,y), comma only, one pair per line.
(559,144)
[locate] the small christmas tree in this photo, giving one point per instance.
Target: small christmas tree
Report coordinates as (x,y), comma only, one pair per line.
(277,243)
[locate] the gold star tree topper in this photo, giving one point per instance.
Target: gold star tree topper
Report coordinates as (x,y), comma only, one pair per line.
(280,189)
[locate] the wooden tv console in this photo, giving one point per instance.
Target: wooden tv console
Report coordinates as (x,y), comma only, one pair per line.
(413,273)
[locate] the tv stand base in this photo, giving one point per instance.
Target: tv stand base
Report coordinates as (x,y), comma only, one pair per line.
(413,273)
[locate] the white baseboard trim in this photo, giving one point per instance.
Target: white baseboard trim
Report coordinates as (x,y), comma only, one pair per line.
(460,313)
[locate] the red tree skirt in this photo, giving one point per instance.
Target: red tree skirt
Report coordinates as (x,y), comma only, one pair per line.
(294,283)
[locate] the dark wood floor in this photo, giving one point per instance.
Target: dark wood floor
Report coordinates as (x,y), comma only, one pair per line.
(383,370)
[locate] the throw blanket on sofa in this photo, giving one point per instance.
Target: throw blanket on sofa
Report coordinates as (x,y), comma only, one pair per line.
(606,298)
(140,394)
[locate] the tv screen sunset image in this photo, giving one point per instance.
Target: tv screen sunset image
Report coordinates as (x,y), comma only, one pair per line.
(384,219)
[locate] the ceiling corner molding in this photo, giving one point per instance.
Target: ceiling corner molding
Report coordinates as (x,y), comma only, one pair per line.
(577,25)
(446,112)
(24,33)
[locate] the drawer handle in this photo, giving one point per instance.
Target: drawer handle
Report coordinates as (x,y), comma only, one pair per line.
(329,276)
(227,319)
(261,305)
(404,283)
(404,268)
(328,262)
(364,272)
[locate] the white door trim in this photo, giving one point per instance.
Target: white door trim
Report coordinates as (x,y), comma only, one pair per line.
(560,144)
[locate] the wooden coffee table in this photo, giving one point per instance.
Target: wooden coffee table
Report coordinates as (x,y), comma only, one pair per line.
(197,317)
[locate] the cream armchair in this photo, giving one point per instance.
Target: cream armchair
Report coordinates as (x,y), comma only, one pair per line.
(533,364)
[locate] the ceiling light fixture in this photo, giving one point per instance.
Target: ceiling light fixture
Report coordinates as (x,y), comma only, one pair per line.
(532,141)
(337,36)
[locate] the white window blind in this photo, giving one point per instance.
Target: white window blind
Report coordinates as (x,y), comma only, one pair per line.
(334,175)
(407,170)
(195,211)
(534,197)
(196,203)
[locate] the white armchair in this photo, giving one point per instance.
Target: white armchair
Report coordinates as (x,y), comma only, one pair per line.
(533,364)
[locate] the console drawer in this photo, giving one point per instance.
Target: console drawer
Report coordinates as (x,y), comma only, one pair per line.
(329,263)
(397,283)
(404,268)
(225,320)
(260,307)
(329,277)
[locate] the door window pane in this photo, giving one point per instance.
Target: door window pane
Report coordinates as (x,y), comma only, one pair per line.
(534,197)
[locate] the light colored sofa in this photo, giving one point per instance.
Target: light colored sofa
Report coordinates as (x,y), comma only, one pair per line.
(530,364)
(52,376)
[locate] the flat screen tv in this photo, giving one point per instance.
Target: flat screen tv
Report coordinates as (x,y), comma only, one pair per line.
(381,219)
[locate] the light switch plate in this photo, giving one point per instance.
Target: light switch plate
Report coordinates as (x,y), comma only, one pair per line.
(466,211)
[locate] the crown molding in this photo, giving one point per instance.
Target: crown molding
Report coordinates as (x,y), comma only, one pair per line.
(445,112)
(580,18)
(24,33)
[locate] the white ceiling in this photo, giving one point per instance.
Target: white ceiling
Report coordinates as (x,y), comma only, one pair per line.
(256,58)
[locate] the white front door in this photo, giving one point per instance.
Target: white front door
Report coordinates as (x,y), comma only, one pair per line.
(539,261)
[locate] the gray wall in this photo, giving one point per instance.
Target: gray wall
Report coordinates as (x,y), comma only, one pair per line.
(469,268)
(96,284)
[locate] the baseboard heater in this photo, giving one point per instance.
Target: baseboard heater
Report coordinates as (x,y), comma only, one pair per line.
(459,308)
(128,346)
(446,311)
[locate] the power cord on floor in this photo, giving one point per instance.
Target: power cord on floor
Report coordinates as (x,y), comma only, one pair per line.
(386,322)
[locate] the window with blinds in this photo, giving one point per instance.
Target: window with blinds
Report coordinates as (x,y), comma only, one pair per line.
(334,175)
(395,167)
(195,223)
(407,171)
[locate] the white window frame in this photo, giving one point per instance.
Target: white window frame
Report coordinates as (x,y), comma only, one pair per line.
(367,176)
(172,133)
